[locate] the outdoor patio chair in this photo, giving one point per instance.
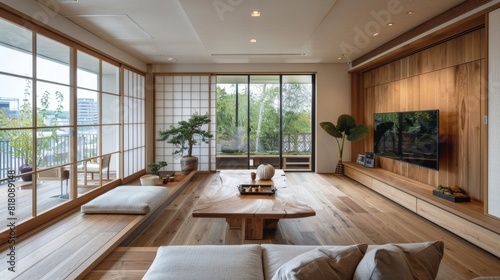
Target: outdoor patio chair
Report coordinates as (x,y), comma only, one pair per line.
(92,168)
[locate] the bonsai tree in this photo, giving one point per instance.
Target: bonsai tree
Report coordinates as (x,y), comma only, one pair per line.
(182,136)
(155,167)
(346,128)
(20,134)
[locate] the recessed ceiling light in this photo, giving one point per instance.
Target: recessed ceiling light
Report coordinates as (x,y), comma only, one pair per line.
(409,12)
(255,13)
(253,40)
(172,59)
(375,34)
(390,24)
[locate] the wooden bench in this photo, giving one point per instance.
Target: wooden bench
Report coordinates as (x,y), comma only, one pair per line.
(296,160)
(300,162)
(73,245)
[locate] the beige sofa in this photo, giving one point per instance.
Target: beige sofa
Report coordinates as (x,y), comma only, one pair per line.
(270,261)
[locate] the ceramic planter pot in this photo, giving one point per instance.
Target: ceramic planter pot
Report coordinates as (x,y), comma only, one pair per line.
(150,180)
(23,169)
(189,164)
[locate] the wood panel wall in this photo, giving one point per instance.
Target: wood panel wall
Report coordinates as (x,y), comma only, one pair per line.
(449,77)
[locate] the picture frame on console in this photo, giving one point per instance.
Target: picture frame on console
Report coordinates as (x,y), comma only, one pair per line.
(369,160)
(360,159)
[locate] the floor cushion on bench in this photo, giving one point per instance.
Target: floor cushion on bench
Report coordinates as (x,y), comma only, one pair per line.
(127,200)
(212,262)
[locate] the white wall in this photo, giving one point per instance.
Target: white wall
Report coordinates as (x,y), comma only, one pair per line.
(494,114)
(52,19)
(333,97)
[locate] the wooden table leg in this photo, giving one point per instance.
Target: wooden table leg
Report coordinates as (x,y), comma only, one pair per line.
(254,228)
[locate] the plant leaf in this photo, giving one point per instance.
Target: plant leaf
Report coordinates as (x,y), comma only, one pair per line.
(331,129)
(345,123)
(357,133)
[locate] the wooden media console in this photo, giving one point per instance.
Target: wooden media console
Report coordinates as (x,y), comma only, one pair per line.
(466,220)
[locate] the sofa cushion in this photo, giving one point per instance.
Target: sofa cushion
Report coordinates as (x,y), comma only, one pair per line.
(207,262)
(274,256)
(337,262)
(421,261)
(424,257)
(384,262)
(127,200)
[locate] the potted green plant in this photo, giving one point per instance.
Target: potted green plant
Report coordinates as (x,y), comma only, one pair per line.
(20,132)
(155,167)
(183,138)
(346,128)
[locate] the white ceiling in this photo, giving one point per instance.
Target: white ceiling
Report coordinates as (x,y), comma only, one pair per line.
(219,31)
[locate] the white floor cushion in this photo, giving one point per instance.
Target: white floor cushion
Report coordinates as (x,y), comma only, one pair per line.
(207,262)
(127,200)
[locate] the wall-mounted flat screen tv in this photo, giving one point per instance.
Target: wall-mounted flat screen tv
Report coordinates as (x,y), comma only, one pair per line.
(411,137)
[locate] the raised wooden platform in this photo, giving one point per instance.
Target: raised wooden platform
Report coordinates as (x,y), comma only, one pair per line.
(124,263)
(466,219)
(74,244)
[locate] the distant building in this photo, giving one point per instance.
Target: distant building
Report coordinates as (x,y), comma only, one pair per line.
(4,105)
(87,113)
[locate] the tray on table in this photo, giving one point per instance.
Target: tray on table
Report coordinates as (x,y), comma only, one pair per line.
(254,189)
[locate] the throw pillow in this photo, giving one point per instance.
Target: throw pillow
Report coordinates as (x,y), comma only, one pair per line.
(338,262)
(424,257)
(384,262)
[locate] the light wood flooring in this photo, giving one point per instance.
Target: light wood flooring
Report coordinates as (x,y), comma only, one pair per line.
(346,213)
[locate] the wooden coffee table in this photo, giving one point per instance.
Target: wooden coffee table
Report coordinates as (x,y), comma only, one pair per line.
(252,212)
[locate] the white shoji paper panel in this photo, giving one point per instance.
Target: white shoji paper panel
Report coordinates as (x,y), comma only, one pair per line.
(177,98)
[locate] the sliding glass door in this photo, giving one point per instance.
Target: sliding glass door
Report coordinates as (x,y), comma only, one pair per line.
(297,92)
(232,122)
(265,119)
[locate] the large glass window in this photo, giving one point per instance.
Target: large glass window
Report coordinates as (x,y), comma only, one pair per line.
(34,119)
(60,139)
(265,119)
(98,118)
(16,49)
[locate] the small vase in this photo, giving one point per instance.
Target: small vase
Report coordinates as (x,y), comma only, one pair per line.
(265,171)
(340,168)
